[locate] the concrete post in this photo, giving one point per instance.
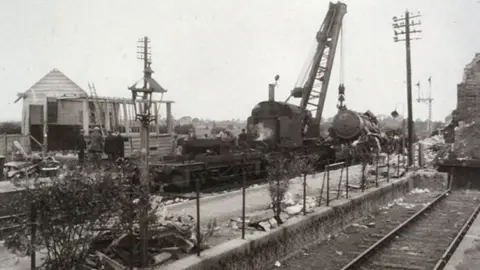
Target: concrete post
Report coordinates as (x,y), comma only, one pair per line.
(169,118)
(45,128)
(86,117)
(125,118)
(108,125)
(157,121)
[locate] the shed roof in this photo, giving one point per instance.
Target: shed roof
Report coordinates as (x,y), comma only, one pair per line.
(56,82)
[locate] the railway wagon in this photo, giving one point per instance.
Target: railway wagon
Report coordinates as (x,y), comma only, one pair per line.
(212,168)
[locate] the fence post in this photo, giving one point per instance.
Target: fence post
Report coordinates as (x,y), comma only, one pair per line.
(364,180)
(328,183)
(346,176)
(5,144)
(197,190)
(388,167)
(244,183)
(398,166)
(33,226)
(340,182)
(376,170)
(304,193)
(321,188)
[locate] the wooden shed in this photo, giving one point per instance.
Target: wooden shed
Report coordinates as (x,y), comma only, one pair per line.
(68,108)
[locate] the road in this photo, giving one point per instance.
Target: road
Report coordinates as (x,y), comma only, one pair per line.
(257,198)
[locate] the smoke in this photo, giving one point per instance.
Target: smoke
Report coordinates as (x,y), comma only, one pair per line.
(263,132)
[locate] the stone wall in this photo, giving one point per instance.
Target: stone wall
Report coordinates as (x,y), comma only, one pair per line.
(262,250)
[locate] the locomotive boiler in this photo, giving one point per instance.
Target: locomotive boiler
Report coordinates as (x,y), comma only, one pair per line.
(348,126)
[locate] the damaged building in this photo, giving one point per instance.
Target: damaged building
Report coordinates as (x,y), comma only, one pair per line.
(468,93)
(467,134)
(56,108)
(463,163)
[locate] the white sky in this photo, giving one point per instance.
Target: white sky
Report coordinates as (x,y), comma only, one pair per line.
(216,57)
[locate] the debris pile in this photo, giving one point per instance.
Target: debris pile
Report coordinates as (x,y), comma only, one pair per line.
(168,201)
(433,148)
(399,202)
(467,144)
(265,220)
(419,191)
(293,205)
(169,238)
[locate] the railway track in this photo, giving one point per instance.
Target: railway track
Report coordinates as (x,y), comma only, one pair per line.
(426,240)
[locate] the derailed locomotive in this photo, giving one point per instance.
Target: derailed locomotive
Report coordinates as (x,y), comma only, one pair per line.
(360,130)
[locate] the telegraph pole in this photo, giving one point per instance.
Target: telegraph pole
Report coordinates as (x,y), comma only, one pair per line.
(402,26)
(144,54)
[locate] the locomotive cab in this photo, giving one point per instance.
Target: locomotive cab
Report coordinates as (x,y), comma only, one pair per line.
(277,124)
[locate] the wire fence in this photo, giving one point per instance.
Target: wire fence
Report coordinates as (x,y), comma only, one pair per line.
(331,189)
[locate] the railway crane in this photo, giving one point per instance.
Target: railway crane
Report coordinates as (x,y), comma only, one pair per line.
(291,126)
(273,127)
(312,89)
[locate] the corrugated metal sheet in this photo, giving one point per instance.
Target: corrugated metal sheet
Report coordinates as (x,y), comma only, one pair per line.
(55,84)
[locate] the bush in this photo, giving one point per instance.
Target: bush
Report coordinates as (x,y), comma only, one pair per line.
(72,210)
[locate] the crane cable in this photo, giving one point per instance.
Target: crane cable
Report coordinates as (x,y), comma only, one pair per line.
(342,71)
(341,86)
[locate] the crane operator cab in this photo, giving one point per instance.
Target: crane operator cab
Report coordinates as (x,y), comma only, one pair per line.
(277,124)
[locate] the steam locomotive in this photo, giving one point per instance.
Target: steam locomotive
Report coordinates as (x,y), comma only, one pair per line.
(360,130)
(348,126)
(273,127)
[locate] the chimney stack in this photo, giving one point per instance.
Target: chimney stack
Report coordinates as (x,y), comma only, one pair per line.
(271,92)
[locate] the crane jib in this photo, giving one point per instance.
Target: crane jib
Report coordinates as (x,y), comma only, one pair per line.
(313,92)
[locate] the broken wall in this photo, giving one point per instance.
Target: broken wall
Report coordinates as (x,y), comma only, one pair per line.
(467,134)
(467,140)
(468,91)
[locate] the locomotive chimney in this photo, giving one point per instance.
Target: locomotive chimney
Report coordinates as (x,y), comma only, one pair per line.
(271,92)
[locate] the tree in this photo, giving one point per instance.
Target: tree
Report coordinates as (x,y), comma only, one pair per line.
(304,165)
(10,128)
(280,170)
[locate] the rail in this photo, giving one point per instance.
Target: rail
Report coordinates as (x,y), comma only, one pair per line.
(354,264)
(379,253)
(456,241)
